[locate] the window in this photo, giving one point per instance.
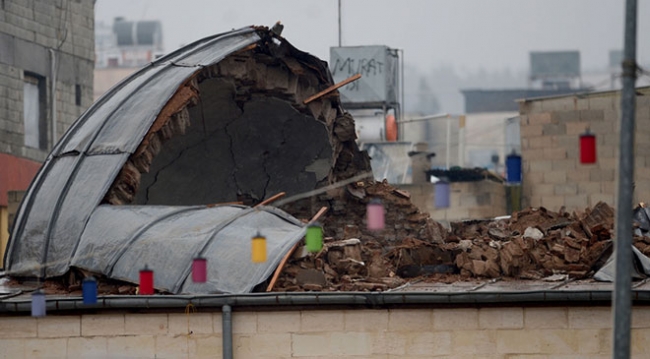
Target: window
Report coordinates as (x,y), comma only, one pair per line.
(77,94)
(34,112)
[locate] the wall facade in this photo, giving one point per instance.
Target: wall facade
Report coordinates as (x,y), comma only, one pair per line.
(552,173)
(468,200)
(30,31)
(495,333)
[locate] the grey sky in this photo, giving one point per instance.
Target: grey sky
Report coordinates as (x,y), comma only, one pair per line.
(467,34)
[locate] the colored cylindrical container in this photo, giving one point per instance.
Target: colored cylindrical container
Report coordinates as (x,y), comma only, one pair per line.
(258,249)
(375,215)
(89,290)
(146,281)
(513,168)
(442,193)
(199,270)
(38,303)
(587,148)
(314,237)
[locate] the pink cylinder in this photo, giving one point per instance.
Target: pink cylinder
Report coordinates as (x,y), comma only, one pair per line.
(375,214)
(199,270)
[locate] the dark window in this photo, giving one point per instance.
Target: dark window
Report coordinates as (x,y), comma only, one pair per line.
(34,116)
(77,94)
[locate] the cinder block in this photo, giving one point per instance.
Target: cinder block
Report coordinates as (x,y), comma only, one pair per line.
(539,118)
(322,321)
(531,155)
(640,343)
(92,325)
(592,115)
(531,130)
(366,320)
(390,343)
(155,324)
(242,322)
(59,326)
(564,165)
(555,177)
(601,175)
(455,319)
(579,175)
(565,189)
(555,153)
(18,327)
(310,345)
(193,323)
(518,342)
(590,318)
(140,346)
(554,129)
(558,104)
(579,201)
(542,165)
(564,116)
(172,346)
(466,342)
(608,187)
(87,347)
(410,320)
(351,343)
(45,348)
(429,344)
(12,348)
(205,346)
(589,187)
(546,318)
(601,102)
(543,190)
(501,318)
(541,142)
(576,128)
(589,341)
(602,127)
(278,322)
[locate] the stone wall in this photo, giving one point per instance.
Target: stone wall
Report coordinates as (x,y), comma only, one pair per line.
(28,31)
(514,332)
(552,173)
(469,200)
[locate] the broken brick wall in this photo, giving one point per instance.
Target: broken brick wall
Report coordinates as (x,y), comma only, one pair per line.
(239,131)
(552,173)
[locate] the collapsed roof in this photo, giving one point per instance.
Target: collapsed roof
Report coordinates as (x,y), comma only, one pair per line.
(220,120)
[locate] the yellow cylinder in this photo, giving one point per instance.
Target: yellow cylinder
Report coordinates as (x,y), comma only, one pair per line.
(258,249)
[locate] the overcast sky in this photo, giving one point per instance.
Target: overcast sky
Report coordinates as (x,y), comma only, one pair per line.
(467,34)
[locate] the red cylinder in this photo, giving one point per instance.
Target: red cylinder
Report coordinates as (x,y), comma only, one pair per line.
(199,270)
(587,148)
(146,281)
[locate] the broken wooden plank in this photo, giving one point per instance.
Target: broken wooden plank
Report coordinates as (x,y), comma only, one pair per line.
(271,199)
(332,88)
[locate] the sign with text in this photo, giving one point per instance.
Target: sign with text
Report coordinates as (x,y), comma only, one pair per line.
(378,66)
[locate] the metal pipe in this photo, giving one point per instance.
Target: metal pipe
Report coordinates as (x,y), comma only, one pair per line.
(448,142)
(339,23)
(18,305)
(53,97)
(621,297)
(426,118)
(226,322)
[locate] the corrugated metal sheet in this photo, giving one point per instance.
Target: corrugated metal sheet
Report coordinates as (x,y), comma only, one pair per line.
(62,201)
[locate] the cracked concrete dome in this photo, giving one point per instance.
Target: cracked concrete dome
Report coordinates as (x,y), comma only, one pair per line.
(137,176)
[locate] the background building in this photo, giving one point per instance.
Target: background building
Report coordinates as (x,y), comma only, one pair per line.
(46,82)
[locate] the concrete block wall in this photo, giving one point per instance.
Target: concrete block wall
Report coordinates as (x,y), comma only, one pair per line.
(469,200)
(552,173)
(28,30)
(498,333)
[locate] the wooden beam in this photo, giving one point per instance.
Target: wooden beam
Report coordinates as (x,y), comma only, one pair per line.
(286,257)
(271,199)
(332,88)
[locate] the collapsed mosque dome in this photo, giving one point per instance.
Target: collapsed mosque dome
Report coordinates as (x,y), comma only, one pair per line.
(136,177)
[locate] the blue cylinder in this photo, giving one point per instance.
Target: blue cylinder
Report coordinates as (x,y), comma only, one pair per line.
(89,289)
(513,168)
(442,194)
(38,303)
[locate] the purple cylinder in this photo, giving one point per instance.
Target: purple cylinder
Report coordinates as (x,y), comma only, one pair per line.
(199,270)
(375,215)
(442,194)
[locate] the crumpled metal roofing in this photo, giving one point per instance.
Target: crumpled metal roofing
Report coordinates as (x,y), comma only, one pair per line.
(58,222)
